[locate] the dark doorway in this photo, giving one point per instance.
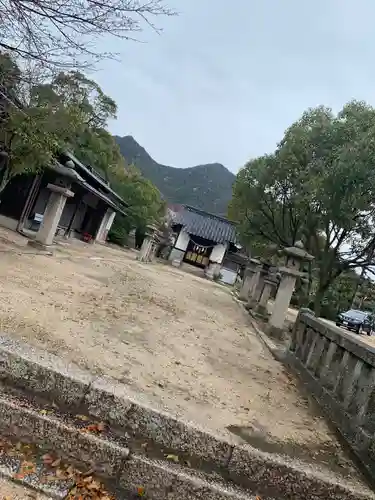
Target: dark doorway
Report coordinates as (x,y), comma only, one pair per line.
(13,198)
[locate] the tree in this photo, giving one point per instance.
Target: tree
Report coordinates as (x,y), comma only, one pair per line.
(145,203)
(74,94)
(28,136)
(65,34)
(318,186)
(69,112)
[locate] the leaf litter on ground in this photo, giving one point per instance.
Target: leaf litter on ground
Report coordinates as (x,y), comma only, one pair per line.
(85,484)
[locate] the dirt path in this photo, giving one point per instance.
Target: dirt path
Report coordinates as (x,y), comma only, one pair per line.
(178,341)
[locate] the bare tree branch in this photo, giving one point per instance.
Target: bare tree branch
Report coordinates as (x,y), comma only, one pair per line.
(64,33)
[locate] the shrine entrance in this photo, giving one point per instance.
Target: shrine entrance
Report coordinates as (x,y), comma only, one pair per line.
(198,252)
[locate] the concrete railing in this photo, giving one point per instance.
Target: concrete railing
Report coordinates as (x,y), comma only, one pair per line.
(339,370)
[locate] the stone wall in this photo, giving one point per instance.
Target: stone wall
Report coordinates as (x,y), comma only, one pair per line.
(339,369)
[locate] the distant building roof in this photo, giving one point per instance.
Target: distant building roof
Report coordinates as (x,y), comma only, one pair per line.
(91,173)
(205,225)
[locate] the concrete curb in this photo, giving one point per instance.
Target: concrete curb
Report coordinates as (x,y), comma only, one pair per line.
(278,352)
(42,375)
(177,483)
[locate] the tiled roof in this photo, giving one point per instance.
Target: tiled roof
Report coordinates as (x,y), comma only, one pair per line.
(211,227)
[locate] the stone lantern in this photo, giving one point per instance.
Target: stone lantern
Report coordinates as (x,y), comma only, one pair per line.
(146,253)
(295,256)
(250,279)
(263,270)
(270,284)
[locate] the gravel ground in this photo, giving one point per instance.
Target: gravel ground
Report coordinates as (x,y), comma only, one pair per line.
(178,342)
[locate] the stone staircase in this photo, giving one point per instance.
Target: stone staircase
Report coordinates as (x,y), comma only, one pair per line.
(69,434)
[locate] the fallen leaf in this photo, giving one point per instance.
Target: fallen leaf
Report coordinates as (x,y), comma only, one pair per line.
(56,463)
(84,418)
(28,468)
(101,427)
(173,458)
(140,491)
(94,485)
(60,474)
(43,412)
(92,428)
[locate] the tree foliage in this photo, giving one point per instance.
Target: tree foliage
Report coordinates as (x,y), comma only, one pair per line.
(145,203)
(66,34)
(72,98)
(70,112)
(318,186)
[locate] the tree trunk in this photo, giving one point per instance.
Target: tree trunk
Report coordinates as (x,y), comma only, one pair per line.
(5,175)
(309,284)
(4,182)
(319,295)
(357,287)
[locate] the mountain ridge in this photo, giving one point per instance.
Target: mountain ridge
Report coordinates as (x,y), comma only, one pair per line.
(206,186)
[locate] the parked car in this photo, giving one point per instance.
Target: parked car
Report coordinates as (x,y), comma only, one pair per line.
(358,321)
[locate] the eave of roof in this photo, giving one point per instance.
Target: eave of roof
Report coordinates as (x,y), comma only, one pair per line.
(102,196)
(205,225)
(72,174)
(97,179)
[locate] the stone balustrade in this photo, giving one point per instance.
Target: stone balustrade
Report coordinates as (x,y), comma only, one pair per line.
(339,370)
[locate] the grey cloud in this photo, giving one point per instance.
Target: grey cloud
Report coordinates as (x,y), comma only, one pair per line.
(226,78)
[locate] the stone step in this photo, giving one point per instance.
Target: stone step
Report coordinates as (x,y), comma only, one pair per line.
(13,491)
(27,471)
(92,423)
(90,446)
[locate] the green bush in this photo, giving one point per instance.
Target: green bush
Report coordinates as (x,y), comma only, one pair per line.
(118,235)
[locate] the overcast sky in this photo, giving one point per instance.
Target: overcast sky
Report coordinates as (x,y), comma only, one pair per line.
(227,77)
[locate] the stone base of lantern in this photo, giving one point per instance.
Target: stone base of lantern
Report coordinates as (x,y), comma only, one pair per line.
(212,271)
(251,304)
(276,333)
(41,247)
(262,312)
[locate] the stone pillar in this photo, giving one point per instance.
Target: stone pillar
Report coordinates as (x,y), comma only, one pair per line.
(105,226)
(260,285)
(249,279)
(212,271)
(257,290)
(52,214)
(131,239)
(145,251)
(262,307)
(294,258)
